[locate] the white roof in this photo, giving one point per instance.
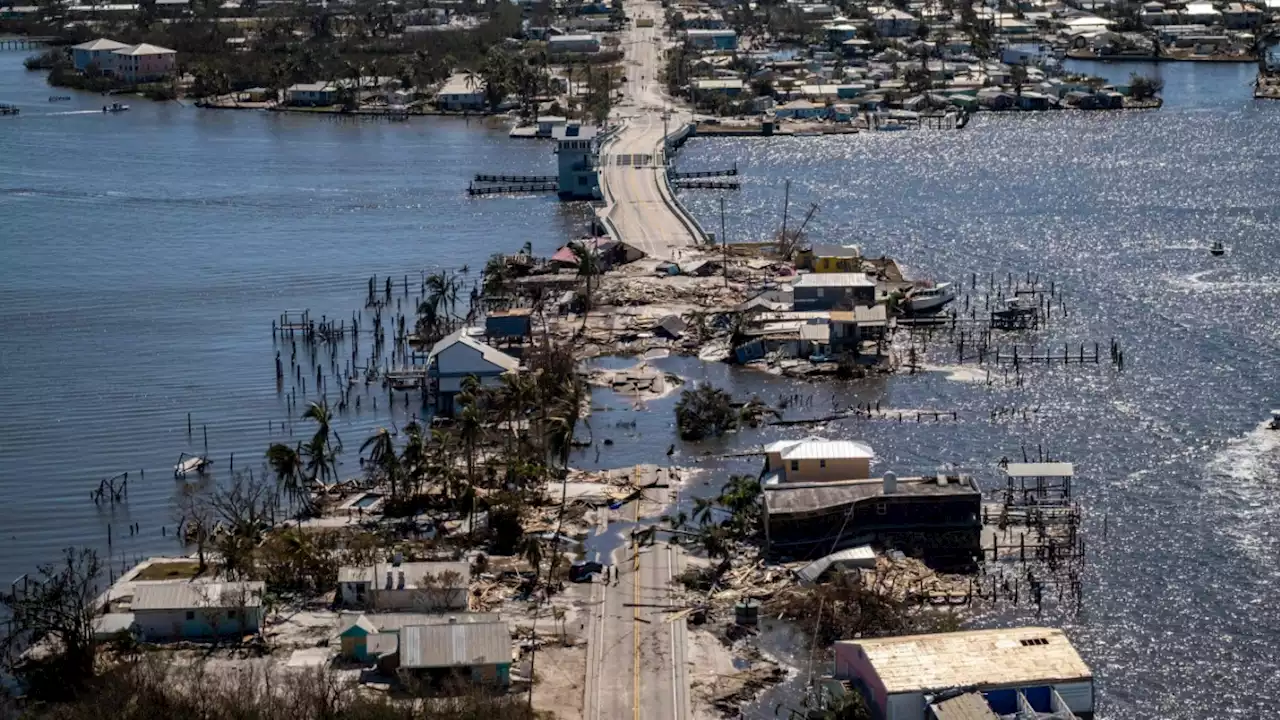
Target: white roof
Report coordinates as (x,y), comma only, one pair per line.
(825,280)
(1045,469)
(457,85)
(490,354)
(100,44)
(145,49)
(977,658)
(311,87)
(414,573)
(895,15)
(698,32)
(1201,8)
(819,448)
(571,38)
(184,595)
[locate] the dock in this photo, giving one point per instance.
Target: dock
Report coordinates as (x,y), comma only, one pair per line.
(706,184)
(482,178)
(531,187)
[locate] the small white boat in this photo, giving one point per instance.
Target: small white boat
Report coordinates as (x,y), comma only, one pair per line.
(115,107)
(1275,420)
(188,464)
(931,299)
(891,125)
(1217,248)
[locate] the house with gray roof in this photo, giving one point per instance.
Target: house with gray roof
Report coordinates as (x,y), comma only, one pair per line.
(202,610)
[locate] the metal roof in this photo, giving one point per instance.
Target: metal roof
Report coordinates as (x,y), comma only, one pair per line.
(1046,469)
(491,355)
(413,573)
(976,658)
(818,448)
(145,49)
(100,44)
(394,622)
(826,280)
(184,595)
(794,498)
(969,706)
(454,645)
(861,555)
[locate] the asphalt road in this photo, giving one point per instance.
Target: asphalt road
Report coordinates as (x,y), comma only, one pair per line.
(636,666)
(633,163)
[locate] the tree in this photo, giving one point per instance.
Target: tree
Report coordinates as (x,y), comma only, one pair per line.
(705,411)
(57,608)
(1142,87)
(1018,78)
(588,266)
(383,463)
(245,509)
(196,518)
(291,478)
(321,452)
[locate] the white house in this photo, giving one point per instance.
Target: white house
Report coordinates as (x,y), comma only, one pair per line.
(1201,12)
(815,459)
(895,23)
(458,356)
(584,43)
(420,586)
(1014,669)
(196,610)
(97,53)
(461,92)
(317,94)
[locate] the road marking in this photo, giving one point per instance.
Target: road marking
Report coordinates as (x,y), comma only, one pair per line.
(635,598)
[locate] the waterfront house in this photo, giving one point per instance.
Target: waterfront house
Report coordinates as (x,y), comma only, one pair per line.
(564,44)
(723,39)
(938,517)
(838,33)
(462,92)
(800,110)
(318,94)
(816,459)
(824,291)
(1026,671)
(404,586)
(459,356)
(95,55)
(478,653)
(143,62)
(365,637)
(1155,13)
(851,328)
(185,610)
(577,155)
(895,23)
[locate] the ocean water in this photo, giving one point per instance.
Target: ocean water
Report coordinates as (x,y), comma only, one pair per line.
(144,255)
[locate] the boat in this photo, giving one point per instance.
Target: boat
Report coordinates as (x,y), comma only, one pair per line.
(1217,248)
(1275,420)
(59,98)
(930,299)
(115,107)
(188,464)
(891,125)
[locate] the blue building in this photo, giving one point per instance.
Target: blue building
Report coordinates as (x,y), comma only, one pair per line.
(578,149)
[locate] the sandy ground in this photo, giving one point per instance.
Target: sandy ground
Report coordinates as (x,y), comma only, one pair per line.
(561,674)
(710,670)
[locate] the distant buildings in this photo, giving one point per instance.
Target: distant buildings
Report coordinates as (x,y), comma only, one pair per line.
(562,44)
(130,63)
(1027,672)
(319,94)
(707,39)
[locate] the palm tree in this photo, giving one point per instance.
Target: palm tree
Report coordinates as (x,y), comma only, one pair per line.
(703,509)
(383,458)
(320,452)
(290,471)
(588,267)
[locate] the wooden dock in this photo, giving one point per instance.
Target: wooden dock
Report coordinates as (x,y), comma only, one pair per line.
(531,187)
(707,184)
(704,173)
(518,179)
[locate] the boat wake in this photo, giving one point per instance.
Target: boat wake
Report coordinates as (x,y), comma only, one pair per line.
(1242,484)
(1196,283)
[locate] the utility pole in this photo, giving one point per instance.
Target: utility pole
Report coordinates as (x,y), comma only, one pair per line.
(786,200)
(724,243)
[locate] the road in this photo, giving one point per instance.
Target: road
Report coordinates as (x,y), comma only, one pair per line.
(632,164)
(636,665)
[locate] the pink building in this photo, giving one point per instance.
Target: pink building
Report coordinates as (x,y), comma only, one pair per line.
(143,63)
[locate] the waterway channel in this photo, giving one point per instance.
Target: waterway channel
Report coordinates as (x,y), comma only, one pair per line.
(144,255)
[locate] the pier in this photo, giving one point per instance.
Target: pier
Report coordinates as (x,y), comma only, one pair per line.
(674,175)
(707,185)
(530,187)
(518,179)
(25,43)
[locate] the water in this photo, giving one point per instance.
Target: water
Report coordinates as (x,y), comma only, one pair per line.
(144,255)
(1118,208)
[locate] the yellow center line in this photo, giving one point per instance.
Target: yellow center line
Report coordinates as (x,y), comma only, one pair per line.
(635,600)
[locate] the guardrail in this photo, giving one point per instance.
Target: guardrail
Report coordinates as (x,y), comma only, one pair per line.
(664,189)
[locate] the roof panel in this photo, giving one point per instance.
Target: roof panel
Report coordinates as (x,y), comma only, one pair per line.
(455,645)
